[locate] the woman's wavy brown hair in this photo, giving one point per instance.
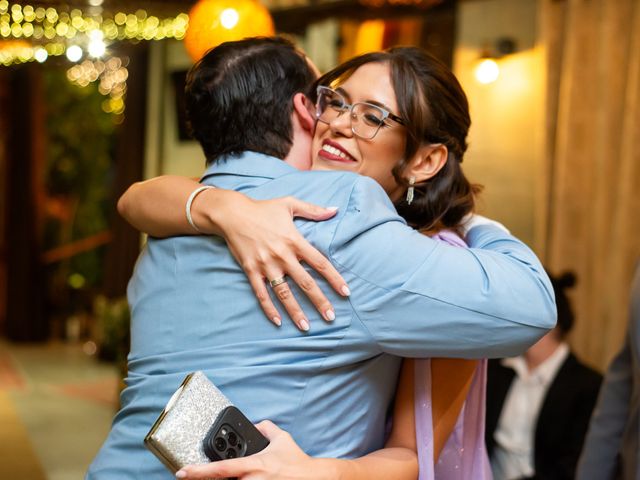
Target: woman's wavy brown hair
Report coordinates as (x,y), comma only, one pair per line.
(435,108)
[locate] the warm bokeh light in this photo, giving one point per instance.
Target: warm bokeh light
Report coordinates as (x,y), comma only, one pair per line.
(76,281)
(111,76)
(41,55)
(487,71)
(47,27)
(90,347)
(229,18)
(212,22)
(96,47)
(15,49)
(370,37)
(74,53)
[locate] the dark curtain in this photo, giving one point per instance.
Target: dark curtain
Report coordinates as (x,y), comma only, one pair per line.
(25,319)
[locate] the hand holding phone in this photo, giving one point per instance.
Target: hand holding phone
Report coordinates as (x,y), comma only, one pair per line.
(282,458)
(233,436)
(196,421)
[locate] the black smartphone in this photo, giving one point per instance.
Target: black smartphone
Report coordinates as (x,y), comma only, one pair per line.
(233,435)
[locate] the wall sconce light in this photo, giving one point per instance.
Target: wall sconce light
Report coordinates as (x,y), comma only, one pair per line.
(487,71)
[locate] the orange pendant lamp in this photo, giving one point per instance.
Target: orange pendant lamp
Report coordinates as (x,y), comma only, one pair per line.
(212,22)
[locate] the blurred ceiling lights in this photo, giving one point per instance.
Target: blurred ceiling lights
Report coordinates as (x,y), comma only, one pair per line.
(53,25)
(111,76)
(85,29)
(57,29)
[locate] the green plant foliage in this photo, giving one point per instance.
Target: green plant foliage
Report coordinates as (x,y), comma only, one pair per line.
(111,328)
(78,179)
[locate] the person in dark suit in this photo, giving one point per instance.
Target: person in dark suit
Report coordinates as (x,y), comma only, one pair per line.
(539,404)
(611,449)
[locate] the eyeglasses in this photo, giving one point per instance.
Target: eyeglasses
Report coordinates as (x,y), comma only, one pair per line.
(366,119)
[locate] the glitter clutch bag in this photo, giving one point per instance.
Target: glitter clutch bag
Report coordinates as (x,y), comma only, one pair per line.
(177,436)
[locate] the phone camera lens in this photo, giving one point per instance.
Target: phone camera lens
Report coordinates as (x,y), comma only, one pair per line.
(231,453)
(221,445)
(232,439)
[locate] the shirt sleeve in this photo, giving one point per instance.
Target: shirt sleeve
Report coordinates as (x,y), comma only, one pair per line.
(418,297)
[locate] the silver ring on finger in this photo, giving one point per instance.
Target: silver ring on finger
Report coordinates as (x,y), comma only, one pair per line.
(277,281)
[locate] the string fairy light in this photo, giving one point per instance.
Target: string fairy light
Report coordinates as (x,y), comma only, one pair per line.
(52,29)
(112,76)
(36,33)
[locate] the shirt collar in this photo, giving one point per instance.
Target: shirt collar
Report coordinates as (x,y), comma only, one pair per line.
(546,371)
(249,164)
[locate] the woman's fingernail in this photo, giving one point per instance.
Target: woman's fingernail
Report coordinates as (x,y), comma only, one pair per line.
(345,291)
(181,474)
(332,209)
(304,325)
(330,314)
(277,321)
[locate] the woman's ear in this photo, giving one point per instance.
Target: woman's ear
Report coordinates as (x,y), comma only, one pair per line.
(427,162)
(302,109)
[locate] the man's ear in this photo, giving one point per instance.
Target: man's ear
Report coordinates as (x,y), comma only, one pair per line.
(427,162)
(302,109)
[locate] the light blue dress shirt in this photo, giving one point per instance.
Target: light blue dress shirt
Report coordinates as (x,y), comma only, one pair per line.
(193,309)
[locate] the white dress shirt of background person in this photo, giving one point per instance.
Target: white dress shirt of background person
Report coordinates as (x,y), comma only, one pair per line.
(539,403)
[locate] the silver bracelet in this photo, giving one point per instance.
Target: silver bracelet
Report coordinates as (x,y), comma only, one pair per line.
(190,200)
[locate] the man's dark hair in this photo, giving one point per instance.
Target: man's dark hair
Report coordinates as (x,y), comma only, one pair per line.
(566,316)
(239,96)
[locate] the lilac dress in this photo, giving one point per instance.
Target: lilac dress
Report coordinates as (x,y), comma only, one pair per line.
(464,455)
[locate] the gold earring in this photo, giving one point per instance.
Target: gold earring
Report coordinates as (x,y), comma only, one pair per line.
(410,190)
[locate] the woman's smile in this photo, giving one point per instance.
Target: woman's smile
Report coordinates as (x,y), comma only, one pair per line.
(336,147)
(333,151)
